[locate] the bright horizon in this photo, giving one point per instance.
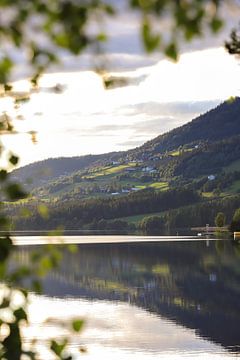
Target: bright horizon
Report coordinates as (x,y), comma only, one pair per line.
(87,119)
(160,95)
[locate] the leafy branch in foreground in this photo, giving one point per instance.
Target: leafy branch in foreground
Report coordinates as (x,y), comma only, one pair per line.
(16,282)
(42,30)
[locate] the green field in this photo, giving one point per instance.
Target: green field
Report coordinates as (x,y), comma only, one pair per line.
(160,185)
(179,152)
(137,218)
(109,170)
(207,194)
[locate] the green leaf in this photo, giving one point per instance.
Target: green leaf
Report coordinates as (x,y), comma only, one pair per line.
(77,325)
(171,51)
(12,343)
(6,65)
(24,292)
(216,24)
(15,192)
(2,269)
(5,247)
(43,211)
(37,286)
(20,314)
(62,40)
(5,303)
(109,9)
(13,159)
(3,175)
(150,40)
(45,265)
(72,248)
(22,99)
(25,212)
(102,37)
(7,87)
(58,348)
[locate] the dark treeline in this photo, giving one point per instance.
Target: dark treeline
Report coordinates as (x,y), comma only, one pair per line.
(203,213)
(195,215)
(76,214)
(210,158)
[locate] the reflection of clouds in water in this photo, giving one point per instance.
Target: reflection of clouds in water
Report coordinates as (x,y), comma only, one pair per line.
(116,327)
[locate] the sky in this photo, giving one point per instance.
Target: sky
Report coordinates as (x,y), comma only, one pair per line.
(161,95)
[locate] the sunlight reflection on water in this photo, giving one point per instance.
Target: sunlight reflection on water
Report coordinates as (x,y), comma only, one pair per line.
(143,298)
(116,330)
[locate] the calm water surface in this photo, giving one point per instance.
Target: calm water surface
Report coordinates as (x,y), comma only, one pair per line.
(155,300)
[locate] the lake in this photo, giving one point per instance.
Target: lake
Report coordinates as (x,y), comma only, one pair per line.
(172,299)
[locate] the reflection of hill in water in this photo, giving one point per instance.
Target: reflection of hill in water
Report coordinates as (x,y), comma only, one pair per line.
(196,285)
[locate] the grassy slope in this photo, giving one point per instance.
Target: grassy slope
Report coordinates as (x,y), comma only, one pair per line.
(108,175)
(137,218)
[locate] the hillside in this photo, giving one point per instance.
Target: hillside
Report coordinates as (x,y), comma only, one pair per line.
(46,170)
(217,124)
(201,157)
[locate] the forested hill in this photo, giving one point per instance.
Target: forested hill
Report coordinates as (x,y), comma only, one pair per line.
(195,166)
(53,168)
(217,124)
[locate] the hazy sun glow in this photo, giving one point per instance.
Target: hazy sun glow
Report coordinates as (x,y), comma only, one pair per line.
(86,118)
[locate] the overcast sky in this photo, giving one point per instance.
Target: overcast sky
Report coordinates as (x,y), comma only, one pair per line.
(161,95)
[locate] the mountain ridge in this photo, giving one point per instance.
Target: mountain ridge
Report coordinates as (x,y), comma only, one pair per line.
(183,177)
(197,130)
(216,124)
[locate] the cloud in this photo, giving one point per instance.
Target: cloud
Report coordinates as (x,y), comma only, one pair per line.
(143,120)
(131,143)
(168,109)
(156,126)
(112,61)
(106,128)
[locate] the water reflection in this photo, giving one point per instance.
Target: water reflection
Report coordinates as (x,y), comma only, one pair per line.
(196,285)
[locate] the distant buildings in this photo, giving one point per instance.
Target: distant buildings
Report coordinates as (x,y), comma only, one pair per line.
(211,177)
(149,169)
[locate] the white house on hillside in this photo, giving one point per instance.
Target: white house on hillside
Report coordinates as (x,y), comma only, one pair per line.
(211,177)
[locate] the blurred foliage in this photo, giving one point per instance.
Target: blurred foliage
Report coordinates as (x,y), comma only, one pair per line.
(40,29)
(233,45)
